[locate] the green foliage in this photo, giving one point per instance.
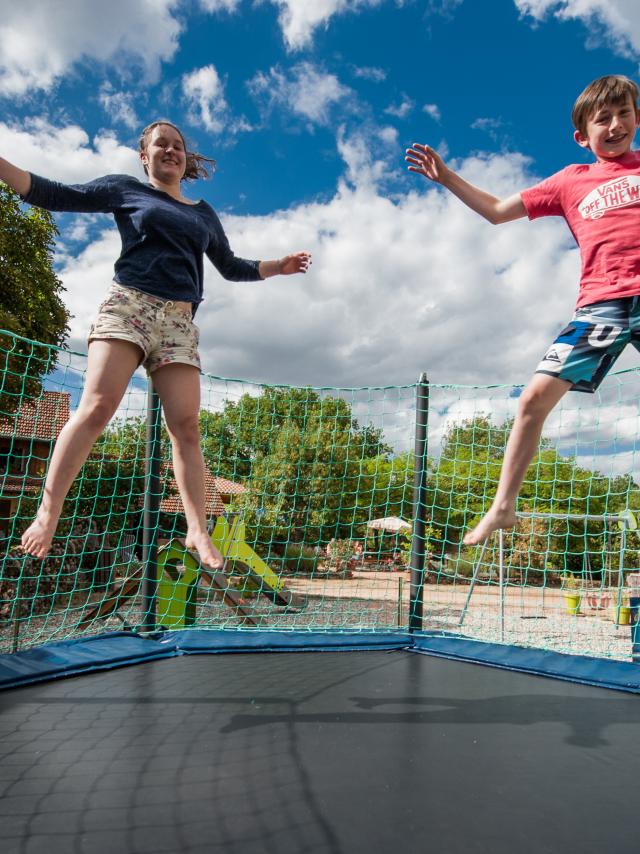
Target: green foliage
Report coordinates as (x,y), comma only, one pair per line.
(463,481)
(111,486)
(386,487)
(298,558)
(30,299)
(300,454)
(571,582)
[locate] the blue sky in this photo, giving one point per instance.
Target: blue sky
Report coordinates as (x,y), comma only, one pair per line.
(492,78)
(308,105)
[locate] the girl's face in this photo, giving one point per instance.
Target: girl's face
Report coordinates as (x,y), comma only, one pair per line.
(164,155)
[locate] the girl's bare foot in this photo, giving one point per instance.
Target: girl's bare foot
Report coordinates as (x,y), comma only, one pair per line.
(38,537)
(492,521)
(207,552)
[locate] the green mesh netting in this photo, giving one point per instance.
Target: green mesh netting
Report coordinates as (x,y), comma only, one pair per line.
(310,499)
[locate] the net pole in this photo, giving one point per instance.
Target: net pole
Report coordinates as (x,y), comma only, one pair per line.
(151,508)
(419,505)
(501,574)
(623,543)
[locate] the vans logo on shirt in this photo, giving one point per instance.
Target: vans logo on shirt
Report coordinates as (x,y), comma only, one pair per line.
(618,193)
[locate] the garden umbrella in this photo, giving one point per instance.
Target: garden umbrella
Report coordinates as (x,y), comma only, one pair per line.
(390,524)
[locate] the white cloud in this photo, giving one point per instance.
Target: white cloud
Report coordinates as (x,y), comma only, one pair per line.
(363,170)
(86,278)
(41,41)
(395,288)
(220,5)
(204,91)
(300,18)
(376,75)
(119,106)
(489,126)
(619,19)
(401,110)
(307,92)
(432,110)
(66,154)
(388,135)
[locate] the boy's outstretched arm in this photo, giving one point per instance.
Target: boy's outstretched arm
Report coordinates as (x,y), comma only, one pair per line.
(425,161)
(17,179)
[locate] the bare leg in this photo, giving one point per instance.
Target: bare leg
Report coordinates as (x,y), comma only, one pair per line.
(110,366)
(179,389)
(536,402)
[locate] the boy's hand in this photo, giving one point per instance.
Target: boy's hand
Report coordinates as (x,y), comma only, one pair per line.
(425,161)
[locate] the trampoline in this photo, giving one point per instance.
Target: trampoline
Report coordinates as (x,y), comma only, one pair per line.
(335,730)
(323,750)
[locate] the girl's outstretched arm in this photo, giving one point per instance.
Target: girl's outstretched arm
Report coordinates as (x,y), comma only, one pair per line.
(297,263)
(426,161)
(17,179)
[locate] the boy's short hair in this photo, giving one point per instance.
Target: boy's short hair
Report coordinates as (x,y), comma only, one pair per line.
(611,89)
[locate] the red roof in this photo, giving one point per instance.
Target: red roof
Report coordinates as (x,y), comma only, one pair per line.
(10,486)
(228,487)
(215,488)
(42,418)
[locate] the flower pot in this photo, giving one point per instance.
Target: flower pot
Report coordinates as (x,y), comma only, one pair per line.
(572,603)
(622,615)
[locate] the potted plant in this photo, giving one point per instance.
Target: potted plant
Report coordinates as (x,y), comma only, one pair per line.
(622,612)
(572,591)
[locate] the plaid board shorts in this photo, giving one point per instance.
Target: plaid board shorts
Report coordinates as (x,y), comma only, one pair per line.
(164,330)
(588,347)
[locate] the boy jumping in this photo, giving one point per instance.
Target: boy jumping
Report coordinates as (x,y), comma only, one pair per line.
(601,203)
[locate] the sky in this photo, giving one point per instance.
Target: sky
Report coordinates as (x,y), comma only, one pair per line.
(308,107)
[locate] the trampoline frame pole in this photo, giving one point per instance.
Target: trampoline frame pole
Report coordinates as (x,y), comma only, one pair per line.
(151,508)
(419,505)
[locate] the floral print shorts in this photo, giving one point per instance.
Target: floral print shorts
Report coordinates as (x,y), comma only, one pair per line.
(163,329)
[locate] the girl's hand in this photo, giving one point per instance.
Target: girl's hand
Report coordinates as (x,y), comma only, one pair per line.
(425,161)
(299,262)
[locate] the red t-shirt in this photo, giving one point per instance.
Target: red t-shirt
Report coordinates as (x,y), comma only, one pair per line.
(601,204)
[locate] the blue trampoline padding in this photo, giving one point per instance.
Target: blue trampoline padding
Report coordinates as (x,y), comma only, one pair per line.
(117,649)
(221,640)
(83,655)
(603,673)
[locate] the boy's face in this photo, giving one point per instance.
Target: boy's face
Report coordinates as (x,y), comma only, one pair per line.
(610,130)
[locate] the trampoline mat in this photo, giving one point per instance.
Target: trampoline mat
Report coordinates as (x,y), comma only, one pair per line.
(319,752)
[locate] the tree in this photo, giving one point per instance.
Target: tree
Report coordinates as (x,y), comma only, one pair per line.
(300,454)
(462,484)
(248,429)
(30,299)
(386,487)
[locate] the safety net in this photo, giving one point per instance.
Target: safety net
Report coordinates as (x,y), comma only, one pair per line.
(310,502)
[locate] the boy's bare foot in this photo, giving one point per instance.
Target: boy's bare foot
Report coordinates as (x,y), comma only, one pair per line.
(38,537)
(490,522)
(207,552)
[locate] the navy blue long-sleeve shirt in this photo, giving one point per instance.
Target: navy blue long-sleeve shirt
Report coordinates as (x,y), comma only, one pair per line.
(163,240)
